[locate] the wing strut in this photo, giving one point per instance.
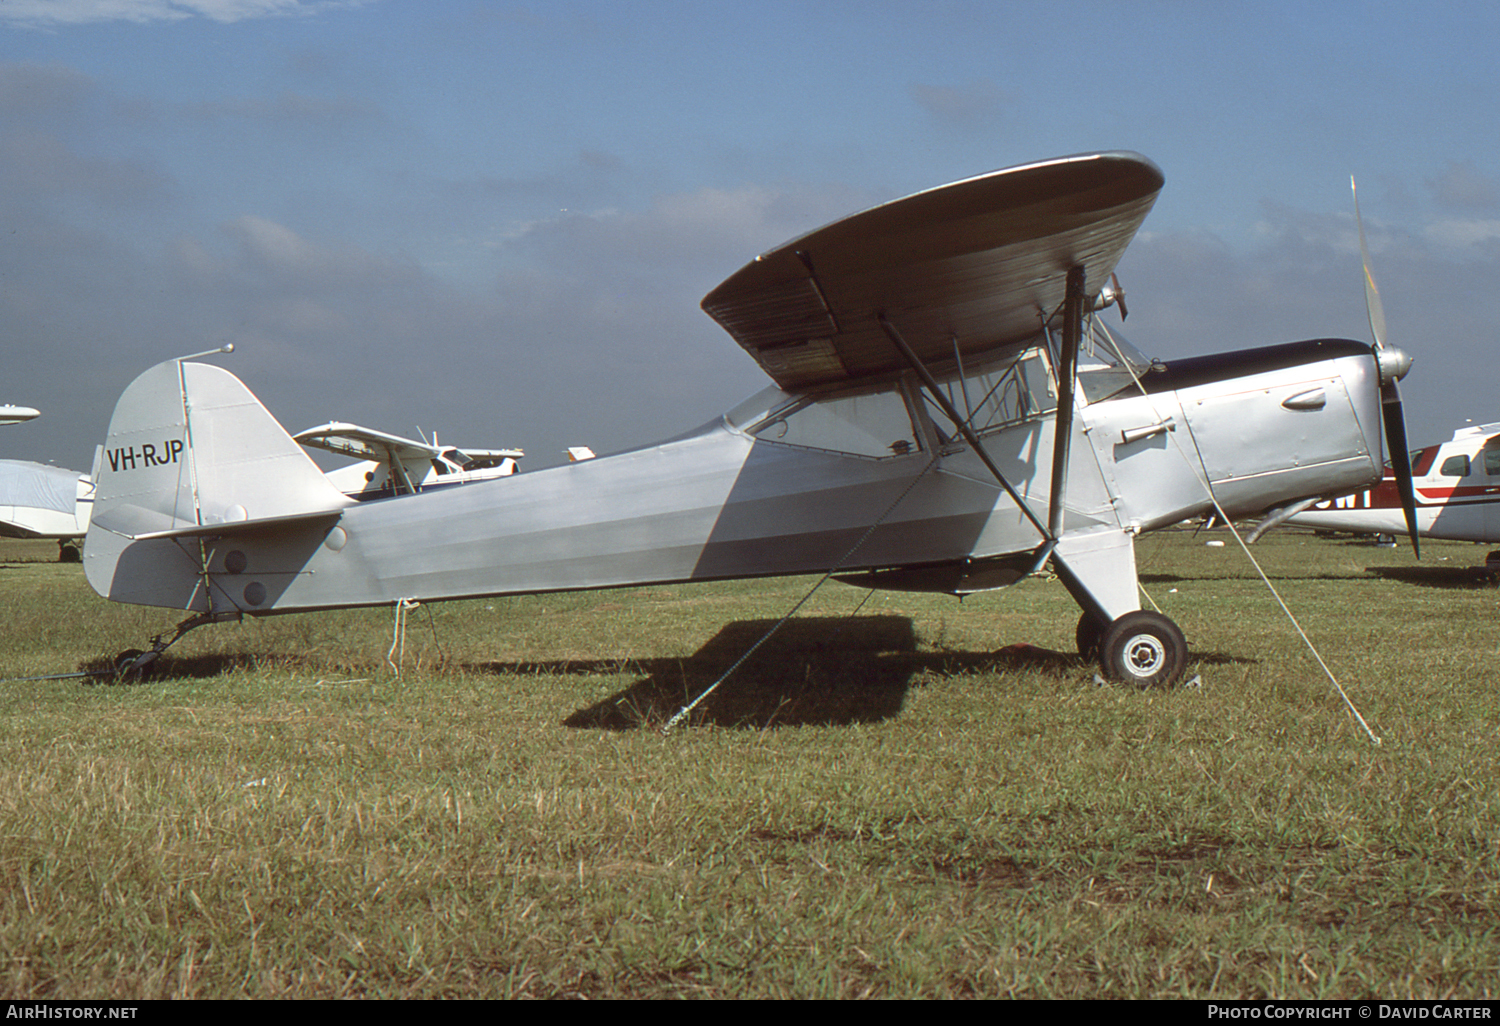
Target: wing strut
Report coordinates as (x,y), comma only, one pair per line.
(1073,312)
(400,479)
(1075,306)
(1048,538)
(1067,373)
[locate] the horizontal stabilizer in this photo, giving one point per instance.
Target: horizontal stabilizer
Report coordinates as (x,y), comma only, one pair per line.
(123,516)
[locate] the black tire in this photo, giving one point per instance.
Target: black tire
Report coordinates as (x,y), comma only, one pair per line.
(1144,649)
(1089,634)
(125,661)
(134,663)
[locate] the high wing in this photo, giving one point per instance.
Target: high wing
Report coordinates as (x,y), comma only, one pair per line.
(10,414)
(975,267)
(368,444)
(475,459)
(364,443)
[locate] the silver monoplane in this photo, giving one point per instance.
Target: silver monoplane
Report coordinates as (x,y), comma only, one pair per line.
(948,414)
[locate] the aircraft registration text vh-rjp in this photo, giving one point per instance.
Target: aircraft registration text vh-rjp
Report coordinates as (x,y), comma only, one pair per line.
(147,456)
(948,412)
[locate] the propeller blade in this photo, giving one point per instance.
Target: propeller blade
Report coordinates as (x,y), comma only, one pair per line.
(1114,280)
(1395,442)
(1393,365)
(1372,294)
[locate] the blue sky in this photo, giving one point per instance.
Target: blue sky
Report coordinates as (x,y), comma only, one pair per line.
(496,219)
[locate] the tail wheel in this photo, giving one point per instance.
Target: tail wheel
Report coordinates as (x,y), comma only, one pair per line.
(126,659)
(1145,649)
(133,661)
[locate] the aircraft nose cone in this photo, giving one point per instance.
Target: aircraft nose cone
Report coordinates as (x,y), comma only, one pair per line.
(1394,363)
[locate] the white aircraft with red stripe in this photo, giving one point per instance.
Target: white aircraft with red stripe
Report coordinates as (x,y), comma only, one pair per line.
(1457,486)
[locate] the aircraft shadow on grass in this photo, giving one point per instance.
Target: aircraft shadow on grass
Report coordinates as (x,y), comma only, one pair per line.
(179,667)
(811,671)
(1453,578)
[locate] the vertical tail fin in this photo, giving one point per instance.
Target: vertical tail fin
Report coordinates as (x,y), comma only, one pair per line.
(190,447)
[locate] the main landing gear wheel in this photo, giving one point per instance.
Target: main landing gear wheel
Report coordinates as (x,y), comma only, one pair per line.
(1142,648)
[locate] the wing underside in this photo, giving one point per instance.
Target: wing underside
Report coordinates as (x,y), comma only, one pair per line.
(364,443)
(977,267)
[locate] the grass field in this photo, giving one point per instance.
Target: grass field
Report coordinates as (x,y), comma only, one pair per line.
(931,799)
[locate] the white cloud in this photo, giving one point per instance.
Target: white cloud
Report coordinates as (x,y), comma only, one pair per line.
(712,230)
(54,13)
(1457,232)
(976,103)
(1461,184)
(276,246)
(274,253)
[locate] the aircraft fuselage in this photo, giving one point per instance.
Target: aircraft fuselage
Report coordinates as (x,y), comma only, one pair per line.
(852,483)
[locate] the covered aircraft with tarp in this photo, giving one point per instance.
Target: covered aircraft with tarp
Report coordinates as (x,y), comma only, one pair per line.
(41,501)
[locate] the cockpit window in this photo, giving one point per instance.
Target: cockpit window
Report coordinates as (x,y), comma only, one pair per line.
(878,423)
(1455,466)
(873,424)
(1001,393)
(1491,461)
(758,407)
(1107,362)
(1421,460)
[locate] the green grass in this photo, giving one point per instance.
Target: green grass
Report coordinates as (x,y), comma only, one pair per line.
(932,799)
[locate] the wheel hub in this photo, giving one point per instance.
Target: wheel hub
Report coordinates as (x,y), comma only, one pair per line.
(1144,655)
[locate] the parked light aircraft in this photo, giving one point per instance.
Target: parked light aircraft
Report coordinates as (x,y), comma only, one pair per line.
(41,501)
(390,465)
(948,413)
(1457,486)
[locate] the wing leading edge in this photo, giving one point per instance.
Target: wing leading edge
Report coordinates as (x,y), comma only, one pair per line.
(368,444)
(979,264)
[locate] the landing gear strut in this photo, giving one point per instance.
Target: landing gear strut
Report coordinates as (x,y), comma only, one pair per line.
(133,662)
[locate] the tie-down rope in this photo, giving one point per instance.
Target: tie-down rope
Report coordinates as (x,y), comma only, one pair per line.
(686,710)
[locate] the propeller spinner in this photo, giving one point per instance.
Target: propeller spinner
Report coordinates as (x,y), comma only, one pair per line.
(1112,294)
(1393,363)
